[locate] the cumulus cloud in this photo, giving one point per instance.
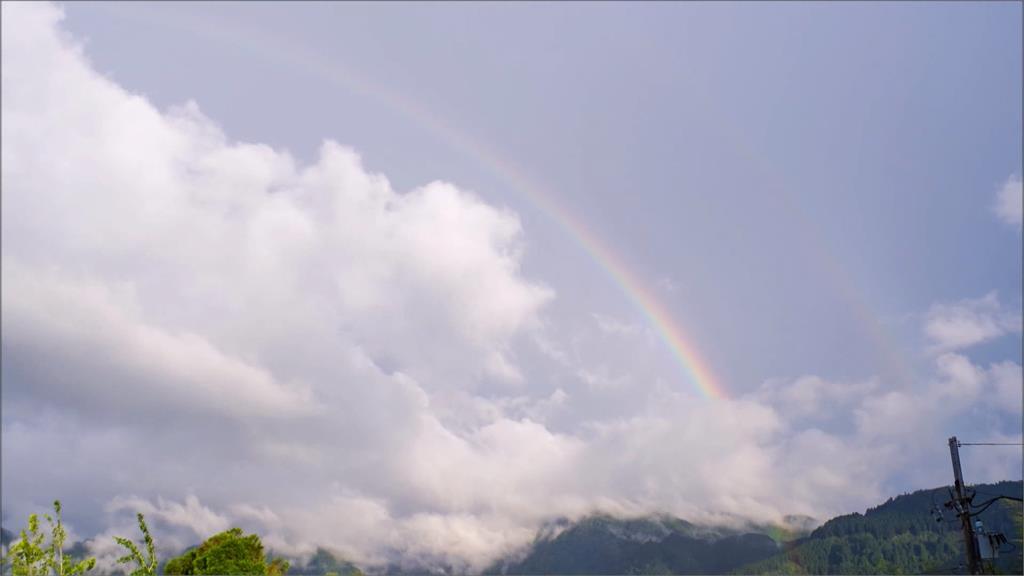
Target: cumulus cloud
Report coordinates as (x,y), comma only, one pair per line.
(158,276)
(95,328)
(1009,204)
(214,334)
(613,326)
(1009,385)
(813,397)
(189,514)
(969,322)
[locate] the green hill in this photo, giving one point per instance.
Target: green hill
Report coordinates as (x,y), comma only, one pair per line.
(902,536)
(656,545)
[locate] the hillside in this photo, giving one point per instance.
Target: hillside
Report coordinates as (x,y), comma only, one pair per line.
(901,536)
(323,563)
(656,545)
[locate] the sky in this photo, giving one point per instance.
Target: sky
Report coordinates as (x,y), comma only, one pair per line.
(410,280)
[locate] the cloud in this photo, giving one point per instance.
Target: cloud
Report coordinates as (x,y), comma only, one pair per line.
(667,284)
(1009,385)
(169,292)
(189,514)
(812,397)
(613,326)
(215,334)
(969,322)
(1009,204)
(96,329)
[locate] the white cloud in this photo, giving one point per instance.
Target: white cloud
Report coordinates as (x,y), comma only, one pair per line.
(969,322)
(156,273)
(812,397)
(613,326)
(1009,204)
(959,379)
(97,329)
(1009,386)
(667,284)
(190,514)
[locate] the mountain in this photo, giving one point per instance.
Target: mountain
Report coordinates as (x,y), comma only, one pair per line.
(656,545)
(900,536)
(909,534)
(323,563)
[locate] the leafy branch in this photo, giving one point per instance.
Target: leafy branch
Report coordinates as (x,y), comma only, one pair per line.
(29,557)
(144,566)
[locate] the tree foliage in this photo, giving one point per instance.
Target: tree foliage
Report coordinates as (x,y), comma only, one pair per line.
(144,565)
(229,552)
(30,557)
(277,567)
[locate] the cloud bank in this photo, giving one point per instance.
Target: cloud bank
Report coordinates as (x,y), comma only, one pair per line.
(213,334)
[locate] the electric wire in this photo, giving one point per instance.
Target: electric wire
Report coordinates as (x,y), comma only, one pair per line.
(984,505)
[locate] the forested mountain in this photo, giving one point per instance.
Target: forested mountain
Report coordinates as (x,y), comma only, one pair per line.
(909,534)
(657,545)
(903,535)
(323,563)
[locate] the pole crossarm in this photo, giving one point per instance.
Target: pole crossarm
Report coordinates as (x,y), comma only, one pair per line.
(989,444)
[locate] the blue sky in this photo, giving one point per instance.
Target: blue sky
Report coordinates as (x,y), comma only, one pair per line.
(810,189)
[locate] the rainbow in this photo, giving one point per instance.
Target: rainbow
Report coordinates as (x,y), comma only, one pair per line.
(678,343)
(684,352)
(691,363)
(643,299)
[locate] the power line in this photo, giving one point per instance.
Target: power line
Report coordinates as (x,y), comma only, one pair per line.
(984,505)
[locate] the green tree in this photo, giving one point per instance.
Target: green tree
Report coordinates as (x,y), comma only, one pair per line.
(29,557)
(1016,537)
(64,565)
(144,566)
(228,553)
(278,567)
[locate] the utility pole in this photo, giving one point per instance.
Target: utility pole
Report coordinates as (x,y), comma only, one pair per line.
(961,504)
